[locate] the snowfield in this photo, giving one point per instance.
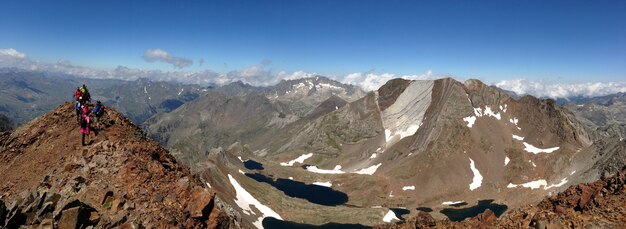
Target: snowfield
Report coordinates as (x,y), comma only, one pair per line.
(538,183)
(244,199)
(369,170)
(300,160)
(478,179)
(314,169)
(532,149)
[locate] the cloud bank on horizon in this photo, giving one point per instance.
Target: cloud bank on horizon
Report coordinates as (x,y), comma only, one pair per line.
(263,75)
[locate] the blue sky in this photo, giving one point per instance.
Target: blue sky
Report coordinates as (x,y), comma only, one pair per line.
(490,40)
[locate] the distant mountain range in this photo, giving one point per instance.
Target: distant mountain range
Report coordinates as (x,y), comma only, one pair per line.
(304,151)
(27,94)
(409,144)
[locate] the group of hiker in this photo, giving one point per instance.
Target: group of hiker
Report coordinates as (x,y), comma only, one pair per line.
(84,115)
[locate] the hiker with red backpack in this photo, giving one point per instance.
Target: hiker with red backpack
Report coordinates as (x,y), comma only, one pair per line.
(85,122)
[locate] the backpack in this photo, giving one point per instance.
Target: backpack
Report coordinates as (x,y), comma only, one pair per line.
(96,109)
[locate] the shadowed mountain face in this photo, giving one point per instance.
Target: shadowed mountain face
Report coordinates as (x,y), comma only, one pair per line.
(5,123)
(122,179)
(26,95)
(409,144)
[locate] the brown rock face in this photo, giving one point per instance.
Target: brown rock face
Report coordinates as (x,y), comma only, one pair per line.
(121,180)
(201,201)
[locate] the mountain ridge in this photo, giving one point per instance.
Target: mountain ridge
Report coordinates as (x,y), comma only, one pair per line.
(122,179)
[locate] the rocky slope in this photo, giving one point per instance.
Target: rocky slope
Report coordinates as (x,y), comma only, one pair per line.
(122,179)
(600,204)
(604,115)
(241,113)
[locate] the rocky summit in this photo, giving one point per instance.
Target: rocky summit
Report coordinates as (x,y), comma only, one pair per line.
(121,180)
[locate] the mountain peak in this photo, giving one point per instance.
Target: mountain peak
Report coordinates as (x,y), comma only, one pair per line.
(121,178)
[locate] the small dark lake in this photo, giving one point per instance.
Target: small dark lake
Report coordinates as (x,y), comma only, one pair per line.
(459,214)
(425,209)
(253,165)
(313,193)
(270,223)
(400,212)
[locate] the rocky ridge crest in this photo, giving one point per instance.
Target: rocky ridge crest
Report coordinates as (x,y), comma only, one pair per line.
(123,179)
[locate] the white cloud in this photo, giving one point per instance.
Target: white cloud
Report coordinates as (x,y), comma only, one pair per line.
(153,55)
(9,54)
(370,81)
(561,90)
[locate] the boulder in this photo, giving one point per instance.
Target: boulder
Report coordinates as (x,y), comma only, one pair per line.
(47,224)
(200,203)
(69,218)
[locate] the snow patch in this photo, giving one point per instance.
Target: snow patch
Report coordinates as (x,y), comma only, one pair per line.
(244,199)
(242,172)
(478,179)
(336,107)
(300,160)
(479,112)
(290,178)
(514,120)
(325,184)
(563,181)
(470,120)
(145,90)
(520,138)
(538,183)
(373,156)
(533,164)
(572,173)
(532,185)
(503,108)
(532,149)
(453,202)
(369,170)
(181,91)
(240,158)
(390,216)
(208,185)
(408,188)
(336,170)
(506,160)
(489,112)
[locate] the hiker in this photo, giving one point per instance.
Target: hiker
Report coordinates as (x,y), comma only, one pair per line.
(85,121)
(86,95)
(78,108)
(98,111)
(78,94)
